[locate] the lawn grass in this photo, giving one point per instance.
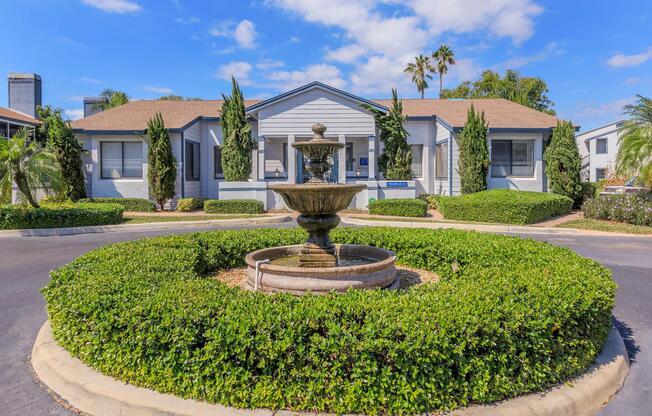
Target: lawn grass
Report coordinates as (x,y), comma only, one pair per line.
(171,218)
(609,226)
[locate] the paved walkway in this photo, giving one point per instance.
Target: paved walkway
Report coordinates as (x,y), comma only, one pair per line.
(26,261)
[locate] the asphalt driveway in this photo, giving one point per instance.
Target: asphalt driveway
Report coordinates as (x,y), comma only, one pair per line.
(26,261)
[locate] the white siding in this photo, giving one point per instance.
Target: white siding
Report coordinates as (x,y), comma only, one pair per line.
(422,132)
(192,189)
(442,134)
(587,144)
(124,187)
(297,114)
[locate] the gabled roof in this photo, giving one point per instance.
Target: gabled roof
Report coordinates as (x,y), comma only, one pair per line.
(7,114)
(615,125)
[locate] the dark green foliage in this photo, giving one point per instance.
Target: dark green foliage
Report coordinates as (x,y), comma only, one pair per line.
(589,191)
(162,166)
(528,91)
(59,138)
(233,206)
(474,153)
(635,208)
(189,204)
(395,163)
(236,131)
(110,98)
(400,207)
(129,204)
(563,162)
(504,206)
(509,316)
(14,217)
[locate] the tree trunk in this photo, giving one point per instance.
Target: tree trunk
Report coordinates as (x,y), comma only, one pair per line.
(441,84)
(23,187)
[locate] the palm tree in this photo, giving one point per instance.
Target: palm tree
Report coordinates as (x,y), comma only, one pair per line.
(443,57)
(30,166)
(635,150)
(420,70)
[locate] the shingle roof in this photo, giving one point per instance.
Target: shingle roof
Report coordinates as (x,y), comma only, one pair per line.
(499,113)
(9,114)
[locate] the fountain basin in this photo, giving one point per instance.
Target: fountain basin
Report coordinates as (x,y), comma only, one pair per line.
(372,268)
(317,198)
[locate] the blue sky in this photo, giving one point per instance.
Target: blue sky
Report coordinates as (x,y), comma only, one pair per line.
(594,56)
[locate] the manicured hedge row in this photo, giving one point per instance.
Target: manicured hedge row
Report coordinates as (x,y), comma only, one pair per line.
(233,206)
(189,204)
(508,316)
(635,208)
(129,204)
(504,206)
(14,217)
(400,207)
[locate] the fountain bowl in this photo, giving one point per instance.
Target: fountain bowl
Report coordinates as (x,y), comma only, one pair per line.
(317,198)
(372,268)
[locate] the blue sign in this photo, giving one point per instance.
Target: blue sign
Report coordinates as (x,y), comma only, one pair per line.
(397,184)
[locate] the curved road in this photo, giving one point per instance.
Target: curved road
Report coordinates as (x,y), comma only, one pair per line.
(26,261)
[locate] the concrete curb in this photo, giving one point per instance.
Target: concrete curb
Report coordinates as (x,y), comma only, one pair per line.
(49,232)
(97,394)
(490,228)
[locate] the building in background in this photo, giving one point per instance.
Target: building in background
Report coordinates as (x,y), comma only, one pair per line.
(598,148)
(92,106)
(25,95)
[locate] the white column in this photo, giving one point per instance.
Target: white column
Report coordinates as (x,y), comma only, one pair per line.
(292,160)
(261,158)
(341,169)
(372,158)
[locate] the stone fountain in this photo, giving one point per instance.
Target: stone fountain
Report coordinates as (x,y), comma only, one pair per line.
(318,265)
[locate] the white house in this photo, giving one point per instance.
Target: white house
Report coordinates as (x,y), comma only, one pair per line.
(117,146)
(598,148)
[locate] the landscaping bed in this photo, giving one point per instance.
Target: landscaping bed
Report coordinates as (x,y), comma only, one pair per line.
(14,217)
(503,206)
(129,204)
(508,316)
(233,206)
(607,226)
(634,208)
(399,207)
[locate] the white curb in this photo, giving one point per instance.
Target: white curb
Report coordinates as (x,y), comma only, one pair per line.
(48,232)
(97,394)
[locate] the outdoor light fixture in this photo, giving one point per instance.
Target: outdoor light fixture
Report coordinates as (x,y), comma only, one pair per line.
(357,172)
(276,173)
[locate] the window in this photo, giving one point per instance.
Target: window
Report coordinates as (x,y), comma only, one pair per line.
(192,161)
(417,160)
(600,173)
(512,158)
(349,157)
(441,161)
(121,160)
(285,158)
(217,161)
(601,146)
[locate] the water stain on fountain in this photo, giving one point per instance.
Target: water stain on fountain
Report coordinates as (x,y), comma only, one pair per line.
(318,265)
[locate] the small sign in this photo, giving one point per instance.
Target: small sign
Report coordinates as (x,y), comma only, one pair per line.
(397,184)
(364,161)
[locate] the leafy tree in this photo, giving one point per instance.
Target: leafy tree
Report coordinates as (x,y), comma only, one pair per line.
(395,163)
(420,70)
(30,166)
(59,138)
(173,97)
(443,57)
(236,131)
(110,98)
(162,167)
(528,91)
(635,150)
(474,153)
(563,162)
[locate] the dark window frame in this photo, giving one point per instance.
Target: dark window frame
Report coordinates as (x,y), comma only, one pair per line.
(420,175)
(217,156)
(597,146)
(444,160)
(189,167)
(603,176)
(122,159)
(509,166)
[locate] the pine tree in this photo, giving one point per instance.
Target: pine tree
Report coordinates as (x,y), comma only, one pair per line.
(236,131)
(162,166)
(563,163)
(395,163)
(474,153)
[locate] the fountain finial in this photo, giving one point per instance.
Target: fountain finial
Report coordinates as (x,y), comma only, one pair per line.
(319,130)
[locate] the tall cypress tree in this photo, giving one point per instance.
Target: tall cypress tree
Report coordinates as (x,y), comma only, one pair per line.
(162,166)
(563,163)
(474,153)
(236,132)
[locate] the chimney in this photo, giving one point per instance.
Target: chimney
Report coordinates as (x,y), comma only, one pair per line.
(25,92)
(91,106)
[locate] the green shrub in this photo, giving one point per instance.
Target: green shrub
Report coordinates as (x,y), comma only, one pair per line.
(129,204)
(399,207)
(189,204)
(508,316)
(504,206)
(589,191)
(233,206)
(51,215)
(635,208)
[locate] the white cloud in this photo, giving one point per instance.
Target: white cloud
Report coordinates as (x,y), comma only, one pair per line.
(632,80)
(346,54)
(295,39)
(75,114)
(68,41)
(552,49)
(89,80)
(612,108)
(620,60)
(187,21)
(238,69)
(463,70)
(157,90)
(328,74)
(115,6)
(222,29)
(245,34)
(269,64)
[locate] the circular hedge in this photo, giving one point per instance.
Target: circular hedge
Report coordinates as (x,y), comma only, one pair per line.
(508,316)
